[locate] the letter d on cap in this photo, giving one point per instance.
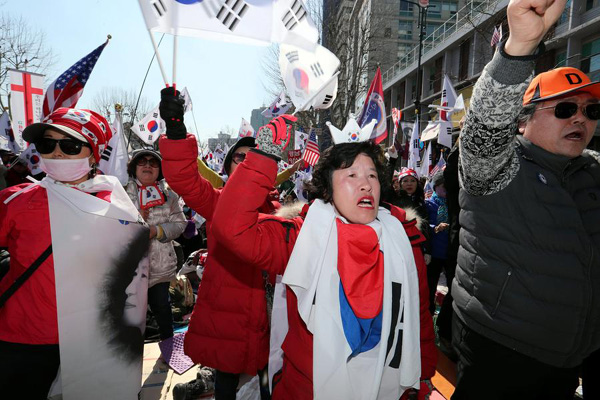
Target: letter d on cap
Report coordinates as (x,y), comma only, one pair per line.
(573,78)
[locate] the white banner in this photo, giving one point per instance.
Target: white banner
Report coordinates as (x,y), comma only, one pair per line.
(26,101)
(101,273)
(114,157)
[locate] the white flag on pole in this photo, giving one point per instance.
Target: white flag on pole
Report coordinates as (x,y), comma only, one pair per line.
(245,21)
(414,155)
(7,138)
(26,102)
(445,134)
(150,127)
(426,161)
(188,100)
(246,129)
(278,107)
(114,158)
(300,139)
(309,77)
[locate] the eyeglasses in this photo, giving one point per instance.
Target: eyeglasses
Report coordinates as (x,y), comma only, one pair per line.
(154,163)
(70,147)
(567,109)
(239,157)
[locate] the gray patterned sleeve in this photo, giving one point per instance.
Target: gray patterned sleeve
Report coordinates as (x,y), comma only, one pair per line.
(488,159)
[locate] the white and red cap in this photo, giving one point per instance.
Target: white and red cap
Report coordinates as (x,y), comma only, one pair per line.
(84,125)
(407,172)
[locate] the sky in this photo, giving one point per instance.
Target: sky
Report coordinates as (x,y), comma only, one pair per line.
(225,80)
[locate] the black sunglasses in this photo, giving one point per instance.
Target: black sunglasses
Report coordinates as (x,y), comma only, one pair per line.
(567,109)
(154,163)
(70,147)
(239,157)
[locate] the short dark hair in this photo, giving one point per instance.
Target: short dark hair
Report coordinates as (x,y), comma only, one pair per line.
(131,166)
(342,156)
(526,113)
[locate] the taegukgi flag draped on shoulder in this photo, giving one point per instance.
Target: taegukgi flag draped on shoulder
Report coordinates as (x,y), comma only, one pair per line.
(66,90)
(374,109)
(26,99)
(246,21)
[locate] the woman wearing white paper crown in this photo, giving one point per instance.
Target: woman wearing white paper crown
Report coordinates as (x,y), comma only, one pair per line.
(161,209)
(72,232)
(348,323)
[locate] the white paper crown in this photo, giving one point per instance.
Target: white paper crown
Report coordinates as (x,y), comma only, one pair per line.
(352,133)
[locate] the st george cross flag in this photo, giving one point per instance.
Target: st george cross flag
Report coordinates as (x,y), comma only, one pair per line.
(66,90)
(374,108)
(278,107)
(311,152)
(300,139)
(245,21)
(26,99)
(496,36)
(7,138)
(114,157)
(309,77)
(246,129)
(150,127)
(414,155)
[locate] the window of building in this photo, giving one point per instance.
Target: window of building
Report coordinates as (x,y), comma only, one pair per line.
(589,4)
(435,9)
(561,59)
(430,28)
(401,95)
(590,61)
(406,9)
(404,49)
(449,7)
(463,68)
(405,29)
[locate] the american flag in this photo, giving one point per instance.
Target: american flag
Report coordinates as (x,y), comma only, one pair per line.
(66,90)
(311,152)
(496,36)
(440,166)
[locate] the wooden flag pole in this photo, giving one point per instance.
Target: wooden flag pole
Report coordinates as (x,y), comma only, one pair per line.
(311,98)
(160,64)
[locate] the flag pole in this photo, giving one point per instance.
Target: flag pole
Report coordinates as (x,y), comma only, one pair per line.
(160,64)
(311,98)
(175,63)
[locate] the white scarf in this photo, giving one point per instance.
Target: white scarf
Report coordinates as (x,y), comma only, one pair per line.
(312,274)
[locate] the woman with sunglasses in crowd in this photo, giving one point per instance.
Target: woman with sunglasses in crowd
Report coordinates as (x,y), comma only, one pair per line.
(229,328)
(161,209)
(70,143)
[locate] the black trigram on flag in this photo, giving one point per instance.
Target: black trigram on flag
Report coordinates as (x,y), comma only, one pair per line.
(396,328)
(294,15)
(327,99)
(231,13)
(142,127)
(316,69)
(159,7)
(292,56)
(106,153)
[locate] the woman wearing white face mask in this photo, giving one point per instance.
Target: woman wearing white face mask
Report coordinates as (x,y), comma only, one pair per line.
(70,143)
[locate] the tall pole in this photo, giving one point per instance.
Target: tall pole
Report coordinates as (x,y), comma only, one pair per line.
(422,22)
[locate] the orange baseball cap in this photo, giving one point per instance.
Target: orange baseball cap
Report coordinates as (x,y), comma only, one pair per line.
(559,82)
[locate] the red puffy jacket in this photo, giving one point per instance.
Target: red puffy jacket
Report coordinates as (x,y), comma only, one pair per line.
(229,329)
(266,242)
(29,315)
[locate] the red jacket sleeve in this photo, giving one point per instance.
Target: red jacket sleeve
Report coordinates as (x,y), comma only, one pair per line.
(180,168)
(259,240)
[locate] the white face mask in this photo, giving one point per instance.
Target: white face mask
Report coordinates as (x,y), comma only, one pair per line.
(66,170)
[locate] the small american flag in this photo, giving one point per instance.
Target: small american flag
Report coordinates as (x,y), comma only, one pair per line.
(496,36)
(311,152)
(66,90)
(440,166)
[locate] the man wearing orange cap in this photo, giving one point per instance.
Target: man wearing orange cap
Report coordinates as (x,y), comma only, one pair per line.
(527,286)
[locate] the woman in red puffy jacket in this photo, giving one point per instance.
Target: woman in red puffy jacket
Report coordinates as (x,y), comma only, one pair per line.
(356,324)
